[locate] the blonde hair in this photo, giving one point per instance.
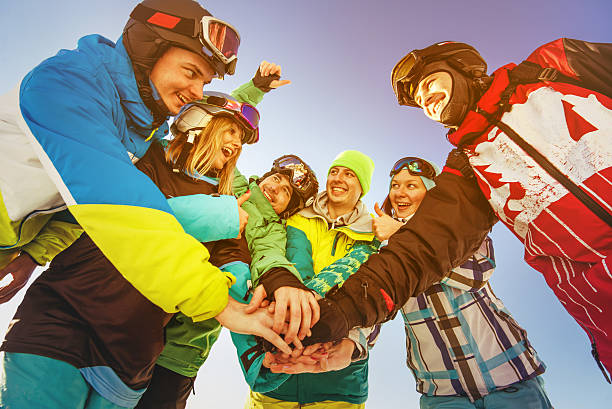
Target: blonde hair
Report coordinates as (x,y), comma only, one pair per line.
(203,153)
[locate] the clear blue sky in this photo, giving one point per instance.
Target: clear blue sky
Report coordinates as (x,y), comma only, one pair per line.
(339,55)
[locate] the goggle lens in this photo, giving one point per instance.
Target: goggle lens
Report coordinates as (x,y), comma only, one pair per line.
(299,172)
(223,38)
(251,115)
(416,167)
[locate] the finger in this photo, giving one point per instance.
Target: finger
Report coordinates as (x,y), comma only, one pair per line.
(316,310)
(8,292)
(311,349)
(306,315)
(279,315)
(279,83)
(298,344)
(276,340)
(258,296)
(378,210)
(275,69)
(243,198)
(295,317)
(272,307)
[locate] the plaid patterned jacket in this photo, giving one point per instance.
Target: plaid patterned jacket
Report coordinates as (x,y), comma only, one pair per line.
(461,340)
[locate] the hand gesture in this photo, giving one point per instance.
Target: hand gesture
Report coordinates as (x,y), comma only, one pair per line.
(268,76)
(243,216)
(384,225)
(332,358)
(296,307)
(236,319)
(20,269)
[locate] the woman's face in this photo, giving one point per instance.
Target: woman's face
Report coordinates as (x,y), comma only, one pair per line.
(433,94)
(230,147)
(406,193)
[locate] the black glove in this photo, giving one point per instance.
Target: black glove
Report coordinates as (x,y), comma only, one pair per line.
(278,277)
(263,83)
(458,160)
(332,326)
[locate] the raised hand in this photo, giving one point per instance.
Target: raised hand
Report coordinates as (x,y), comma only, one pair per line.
(268,76)
(384,225)
(20,269)
(236,319)
(242,214)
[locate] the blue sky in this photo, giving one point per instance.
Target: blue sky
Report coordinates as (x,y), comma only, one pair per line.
(339,55)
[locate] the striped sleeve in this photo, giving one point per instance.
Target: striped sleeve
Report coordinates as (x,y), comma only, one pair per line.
(476,271)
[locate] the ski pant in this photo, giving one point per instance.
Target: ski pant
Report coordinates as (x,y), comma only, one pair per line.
(33,381)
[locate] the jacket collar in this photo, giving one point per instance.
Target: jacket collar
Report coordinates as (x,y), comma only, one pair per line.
(489,102)
(358,220)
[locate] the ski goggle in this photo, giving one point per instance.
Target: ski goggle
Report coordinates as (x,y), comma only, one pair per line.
(299,172)
(198,114)
(222,39)
(402,75)
(415,166)
(218,37)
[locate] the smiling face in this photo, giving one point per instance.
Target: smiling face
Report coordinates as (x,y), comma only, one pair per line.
(179,77)
(433,94)
(343,190)
(277,189)
(406,193)
(231,142)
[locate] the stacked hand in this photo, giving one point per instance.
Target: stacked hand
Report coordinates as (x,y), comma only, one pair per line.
(313,359)
(293,309)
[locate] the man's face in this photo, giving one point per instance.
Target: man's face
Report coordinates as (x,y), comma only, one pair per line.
(277,189)
(179,77)
(433,94)
(343,187)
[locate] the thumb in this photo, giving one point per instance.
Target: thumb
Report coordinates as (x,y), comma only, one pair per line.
(378,210)
(279,83)
(258,296)
(243,198)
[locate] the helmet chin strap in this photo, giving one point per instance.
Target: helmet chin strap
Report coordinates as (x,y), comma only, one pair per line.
(459,103)
(464,94)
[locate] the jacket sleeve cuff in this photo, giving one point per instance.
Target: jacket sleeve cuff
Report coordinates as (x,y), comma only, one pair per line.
(280,277)
(217,220)
(248,93)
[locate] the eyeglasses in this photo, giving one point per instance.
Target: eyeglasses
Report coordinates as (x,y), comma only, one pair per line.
(416,167)
(217,36)
(300,173)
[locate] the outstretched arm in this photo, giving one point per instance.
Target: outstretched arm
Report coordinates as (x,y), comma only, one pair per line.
(417,256)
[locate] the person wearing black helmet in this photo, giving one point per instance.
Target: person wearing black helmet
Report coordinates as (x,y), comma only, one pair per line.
(535,140)
(94,329)
(81,117)
(284,190)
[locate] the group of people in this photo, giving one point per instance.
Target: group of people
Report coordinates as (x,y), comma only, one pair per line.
(154,240)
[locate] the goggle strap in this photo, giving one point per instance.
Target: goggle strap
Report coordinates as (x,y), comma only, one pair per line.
(177,24)
(186,150)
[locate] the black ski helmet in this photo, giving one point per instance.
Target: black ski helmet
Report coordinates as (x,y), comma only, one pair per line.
(155,26)
(464,64)
(295,169)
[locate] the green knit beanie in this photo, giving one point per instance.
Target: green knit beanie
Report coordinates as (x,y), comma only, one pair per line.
(361,164)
